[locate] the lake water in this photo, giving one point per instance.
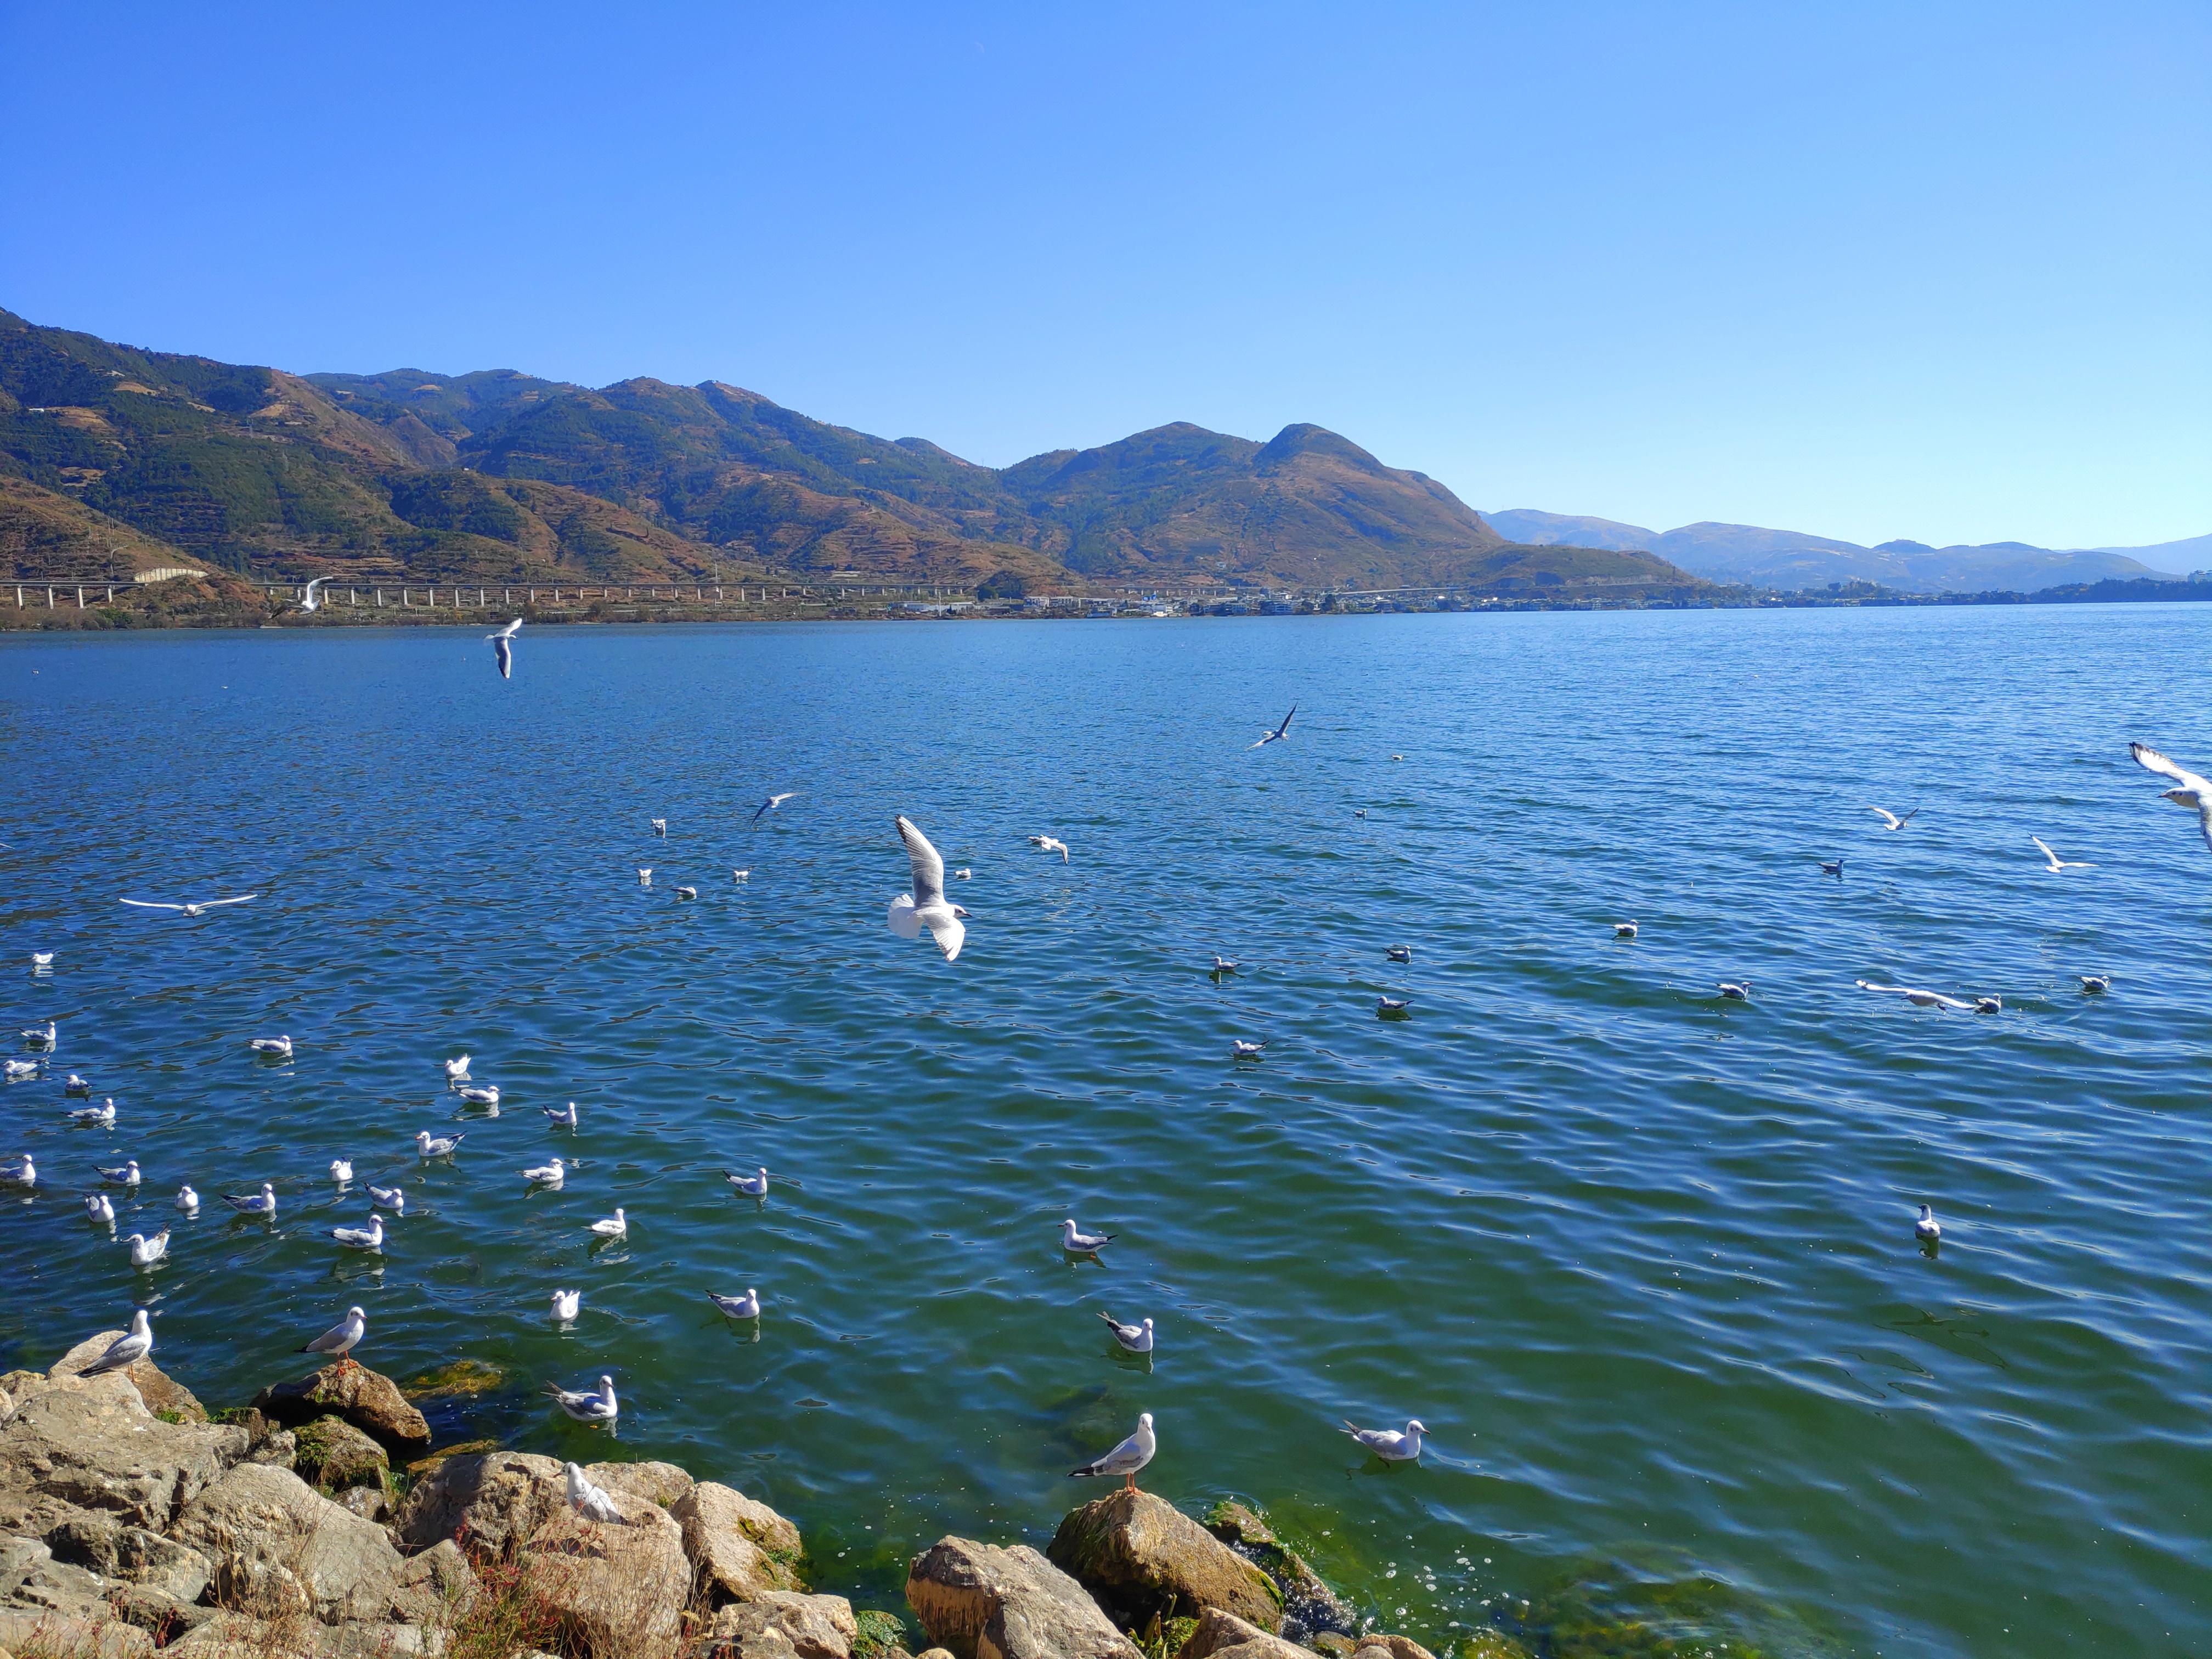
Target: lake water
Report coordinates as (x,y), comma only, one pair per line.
(1642,1260)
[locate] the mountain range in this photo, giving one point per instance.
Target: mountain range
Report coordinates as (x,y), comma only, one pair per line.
(118,458)
(1789,559)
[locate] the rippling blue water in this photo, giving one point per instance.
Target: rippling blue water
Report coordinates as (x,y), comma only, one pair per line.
(1642,1262)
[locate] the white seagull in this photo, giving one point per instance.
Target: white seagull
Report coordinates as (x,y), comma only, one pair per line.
(310,600)
(98,1209)
(1928,1227)
(2096,984)
(20,1068)
(340,1338)
(125,1174)
(548,1175)
(200,908)
(1918,997)
(566,1304)
(42,1036)
(488,1095)
(773,802)
(393,1199)
(1890,820)
(686,892)
(1393,1004)
(1224,965)
(144,1251)
(926,906)
(24,1174)
(565,1115)
(737,1307)
(644,875)
(661,828)
(370,1237)
(42,958)
(276,1045)
(1126,1458)
(963,874)
(1989,1005)
(101,1117)
(1624,930)
(1137,1339)
(502,645)
(457,1069)
(2195,793)
(614,1227)
(741,875)
(752,1185)
(1391,1445)
(586,1405)
(126,1350)
(263,1203)
(342,1170)
(1240,1049)
(74,1085)
(2056,863)
(1078,1242)
(1735,990)
(1051,844)
(429,1146)
(1279,732)
(593,1503)
(188,1201)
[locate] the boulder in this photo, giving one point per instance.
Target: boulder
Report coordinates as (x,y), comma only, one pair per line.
(1313,1606)
(369,1503)
(436,1587)
(617,1588)
(1140,1556)
(985,1602)
(368,1399)
(89,1443)
(656,1483)
(739,1548)
(7,1405)
(1220,1633)
(165,1396)
(332,1454)
(28,1633)
(781,1624)
(19,1558)
(278,1545)
(1376,1646)
(104,1545)
(490,1500)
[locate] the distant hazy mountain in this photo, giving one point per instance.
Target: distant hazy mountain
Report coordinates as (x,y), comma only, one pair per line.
(1791,559)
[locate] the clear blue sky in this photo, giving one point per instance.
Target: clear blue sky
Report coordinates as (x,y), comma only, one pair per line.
(1943,272)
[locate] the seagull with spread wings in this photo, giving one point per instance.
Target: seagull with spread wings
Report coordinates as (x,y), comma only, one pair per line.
(2195,793)
(1279,732)
(1918,997)
(200,908)
(1890,820)
(502,645)
(926,906)
(772,803)
(2056,863)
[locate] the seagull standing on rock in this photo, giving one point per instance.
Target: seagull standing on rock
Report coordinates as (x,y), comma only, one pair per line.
(1125,1458)
(926,906)
(126,1350)
(593,1503)
(340,1337)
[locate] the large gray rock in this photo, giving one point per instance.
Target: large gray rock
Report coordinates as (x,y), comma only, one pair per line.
(334,1455)
(1221,1635)
(278,1545)
(163,1395)
(490,1500)
(740,1548)
(984,1602)
(368,1399)
(132,1555)
(436,1587)
(89,1443)
(787,1625)
(1140,1557)
(656,1483)
(28,1633)
(617,1588)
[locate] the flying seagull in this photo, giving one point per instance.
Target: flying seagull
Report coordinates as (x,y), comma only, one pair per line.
(1890,820)
(926,906)
(586,1405)
(502,645)
(310,600)
(1126,1458)
(1391,1445)
(200,908)
(1279,732)
(737,1307)
(1137,1339)
(2195,793)
(339,1340)
(126,1350)
(1051,844)
(772,803)
(1076,1241)
(593,1503)
(1918,997)
(2056,863)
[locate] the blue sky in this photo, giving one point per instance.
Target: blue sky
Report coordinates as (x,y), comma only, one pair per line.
(1870,271)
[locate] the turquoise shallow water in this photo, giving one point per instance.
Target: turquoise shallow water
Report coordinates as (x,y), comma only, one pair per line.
(1642,1262)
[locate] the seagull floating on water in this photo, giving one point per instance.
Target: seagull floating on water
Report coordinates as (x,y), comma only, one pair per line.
(1624,930)
(74,1085)
(1832,867)
(1240,1049)
(661,828)
(1890,820)
(42,958)
(772,803)
(342,1170)
(562,1115)
(586,1405)
(20,1068)
(566,1304)
(593,1503)
(2195,793)
(281,1046)
(126,1350)
(1398,952)
(24,1173)
(2096,984)
(1928,1227)
(1051,844)
(1224,965)
(614,1227)
(737,1307)
(1989,1005)
(644,876)
(1918,997)
(263,1203)
(1279,732)
(502,645)
(686,892)
(340,1338)
(1137,1339)
(370,1237)
(144,1251)
(125,1174)
(197,908)
(963,874)
(1386,1007)
(101,1116)
(487,1095)
(42,1036)
(927,905)
(188,1201)
(548,1175)
(98,1209)
(430,1145)
(1078,1242)
(741,875)
(1391,1445)
(1125,1458)
(1736,991)
(752,1185)
(2056,863)
(393,1199)
(456,1068)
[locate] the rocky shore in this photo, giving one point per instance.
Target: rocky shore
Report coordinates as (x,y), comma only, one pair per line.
(317,1523)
